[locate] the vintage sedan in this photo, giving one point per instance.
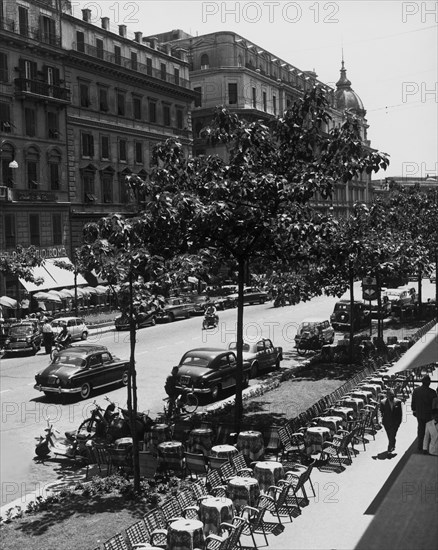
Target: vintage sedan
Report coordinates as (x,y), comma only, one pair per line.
(81,369)
(251,295)
(24,336)
(312,334)
(261,355)
(142,319)
(208,371)
(175,308)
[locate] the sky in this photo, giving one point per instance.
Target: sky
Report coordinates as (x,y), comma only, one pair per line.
(389,48)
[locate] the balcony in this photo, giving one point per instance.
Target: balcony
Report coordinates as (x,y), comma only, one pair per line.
(133,65)
(43,91)
(33,33)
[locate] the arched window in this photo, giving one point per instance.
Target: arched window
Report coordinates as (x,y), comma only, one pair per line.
(205,63)
(32,167)
(54,158)
(239,61)
(7,173)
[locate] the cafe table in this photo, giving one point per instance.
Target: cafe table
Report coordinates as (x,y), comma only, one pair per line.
(378,381)
(171,455)
(345,412)
(213,511)
(374,388)
(251,444)
(315,437)
(362,394)
(158,434)
(356,404)
(224,451)
(185,534)
(268,473)
(333,423)
(243,491)
(200,440)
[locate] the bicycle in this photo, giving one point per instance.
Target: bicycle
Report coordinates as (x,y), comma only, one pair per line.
(185,403)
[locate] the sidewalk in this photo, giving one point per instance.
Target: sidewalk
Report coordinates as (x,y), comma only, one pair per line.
(345,503)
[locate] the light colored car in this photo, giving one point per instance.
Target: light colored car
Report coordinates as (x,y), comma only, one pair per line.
(400,297)
(75,325)
(312,334)
(251,295)
(261,355)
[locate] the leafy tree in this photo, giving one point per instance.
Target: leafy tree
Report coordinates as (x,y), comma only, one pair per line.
(20,263)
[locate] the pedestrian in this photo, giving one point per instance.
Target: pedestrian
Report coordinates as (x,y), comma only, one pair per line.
(47,331)
(435,400)
(391,411)
(171,390)
(430,442)
(421,406)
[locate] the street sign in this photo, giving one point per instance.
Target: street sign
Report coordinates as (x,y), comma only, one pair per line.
(369,293)
(369,281)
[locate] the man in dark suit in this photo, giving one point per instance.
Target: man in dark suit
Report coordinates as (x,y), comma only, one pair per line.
(421,406)
(391,411)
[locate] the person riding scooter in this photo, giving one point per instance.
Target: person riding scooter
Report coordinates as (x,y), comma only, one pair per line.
(64,337)
(211,314)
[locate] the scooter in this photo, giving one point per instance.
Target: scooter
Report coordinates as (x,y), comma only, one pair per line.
(210,321)
(53,443)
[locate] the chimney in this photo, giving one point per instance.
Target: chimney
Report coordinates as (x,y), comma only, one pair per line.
(86,15)
(153,42)
(138,36)
(122,30)
(105,23)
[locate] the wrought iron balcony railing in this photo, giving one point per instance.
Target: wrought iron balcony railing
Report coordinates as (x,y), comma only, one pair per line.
(36,33)
(37,87)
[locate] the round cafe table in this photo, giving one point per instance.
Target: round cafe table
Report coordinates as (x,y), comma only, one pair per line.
(243,491)
(268,473)
(363,394)
(158,434)
(171,454)
(356,404)
(185,534)
(374,388)
(251,444)
(346,413)
(213,511)
(333,423)
(315,437)
(200,440)
(224,451)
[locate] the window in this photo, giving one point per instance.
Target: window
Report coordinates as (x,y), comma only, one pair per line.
(117,55)
(32,174)
(124,191)
(163,71)
(232,93)
(274,104)
(54,176)
(99,48)
(179,119)
(34,229)
(205,63)
(152,111)
(103,99)
(107,186)
(57,228)
(52,125)
(104,147)
(4,76)
(84,95)
(136,107)
(176,76)
(265,106)
(10,241)
(7,173)
(134,64)
(254,98)
(138,148)
(166,115)
(121,103)
(23,20)
(122,150)
(87,145)
(5,117)
(29,121)
(88,185)
(198,98)
(80,41)
(48,30)
(149,66)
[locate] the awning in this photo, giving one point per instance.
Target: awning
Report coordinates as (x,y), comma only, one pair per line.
(53,276)
(423,352)
(10,303)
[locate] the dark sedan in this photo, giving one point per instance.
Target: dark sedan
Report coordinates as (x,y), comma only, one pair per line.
(81,369)
(209,370)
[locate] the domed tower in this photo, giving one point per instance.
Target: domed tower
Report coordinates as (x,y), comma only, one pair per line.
(345,97)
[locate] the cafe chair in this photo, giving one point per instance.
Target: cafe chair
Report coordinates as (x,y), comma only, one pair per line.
(120,459)
(215,462)
(188,504)
(138,536)
(279,502)
(293,445)
(200,492)
(296,483)
(336,450)
(240,466)
(272,442)
(181,430)
(117,542)
(231,540)
(196,464)
(156,525)
(215,484)
(171,510)
(226,471)
(102,457)
(225,435)
(257,524)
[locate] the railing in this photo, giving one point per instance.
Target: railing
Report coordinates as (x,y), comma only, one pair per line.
(42,88)
(128,63)
(33,33)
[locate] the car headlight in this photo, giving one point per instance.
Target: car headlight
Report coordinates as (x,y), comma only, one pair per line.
(7,342)
(28,340)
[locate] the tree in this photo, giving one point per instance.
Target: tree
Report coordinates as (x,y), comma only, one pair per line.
(20,263)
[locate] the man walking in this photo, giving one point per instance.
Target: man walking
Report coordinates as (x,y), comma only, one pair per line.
(391,411)
(421,406)
(430,443)
(47,336)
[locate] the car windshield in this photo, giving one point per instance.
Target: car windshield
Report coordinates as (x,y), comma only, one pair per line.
(70,359)
(245,347)
(341,306)
(21,330)
(393,293)
(56,324)
(195,361)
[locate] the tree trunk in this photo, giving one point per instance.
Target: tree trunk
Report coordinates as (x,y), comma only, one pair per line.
(132,390)
(76,292)
(379,310)
(351,284)
(238,407)
(420,293)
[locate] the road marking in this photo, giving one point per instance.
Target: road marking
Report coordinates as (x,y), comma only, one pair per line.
(162,347)
(141,352)
(4,391)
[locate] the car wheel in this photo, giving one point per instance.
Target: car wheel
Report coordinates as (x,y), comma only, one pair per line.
(171,317)
(84,335)
(85,390)
(34,349)
(254,370)
(214,392)
(301,351)
(125,378)
(262,301)
(153,321)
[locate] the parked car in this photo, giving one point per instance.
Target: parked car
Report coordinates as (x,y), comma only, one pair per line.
(80,369)
(400,297)
(75,325)
(174,308)
(23,336)
(313,333)
(385,307)
(142,319)
(208,371)
(341,316)
(261,355)
(251,295)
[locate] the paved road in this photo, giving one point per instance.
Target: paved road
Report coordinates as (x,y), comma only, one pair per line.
(25,411)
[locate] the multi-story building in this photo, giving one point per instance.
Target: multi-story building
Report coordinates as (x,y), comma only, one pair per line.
(81,107)
(227,69)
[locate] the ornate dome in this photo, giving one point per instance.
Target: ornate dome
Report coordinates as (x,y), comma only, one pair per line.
(345,97)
